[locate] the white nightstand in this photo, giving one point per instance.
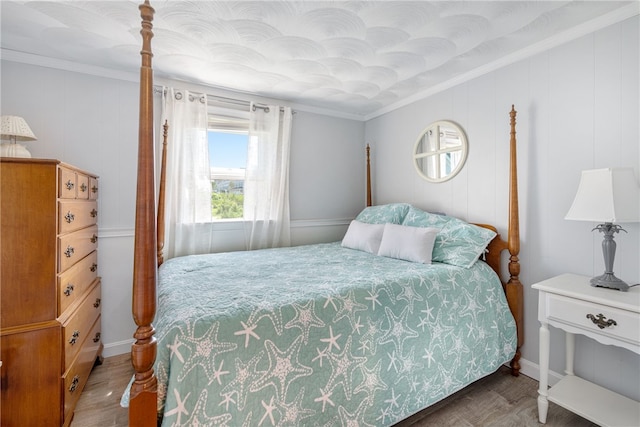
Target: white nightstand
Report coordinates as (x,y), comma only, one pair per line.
(608,316)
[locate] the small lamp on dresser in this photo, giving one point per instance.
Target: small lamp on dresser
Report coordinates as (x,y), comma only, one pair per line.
(608,196)
(15,129)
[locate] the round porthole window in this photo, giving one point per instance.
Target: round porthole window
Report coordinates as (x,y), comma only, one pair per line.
(440,151)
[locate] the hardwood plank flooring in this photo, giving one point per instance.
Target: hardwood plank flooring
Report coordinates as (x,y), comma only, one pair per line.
(499,400)
(99,403)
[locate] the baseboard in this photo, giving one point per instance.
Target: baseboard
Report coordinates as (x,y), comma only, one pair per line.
(532,370)
(117,348)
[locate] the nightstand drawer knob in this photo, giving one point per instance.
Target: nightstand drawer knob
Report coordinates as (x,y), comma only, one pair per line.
(69,290)
(69,217)
(601,321)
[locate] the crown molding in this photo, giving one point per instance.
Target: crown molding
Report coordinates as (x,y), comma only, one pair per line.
(61,64)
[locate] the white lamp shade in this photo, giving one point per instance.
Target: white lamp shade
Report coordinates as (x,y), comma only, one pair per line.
(16,128)
(606,195)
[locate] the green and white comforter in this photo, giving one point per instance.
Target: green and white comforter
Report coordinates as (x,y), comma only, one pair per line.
(321,335)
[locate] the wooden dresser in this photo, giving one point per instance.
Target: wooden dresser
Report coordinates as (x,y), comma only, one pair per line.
(49,289)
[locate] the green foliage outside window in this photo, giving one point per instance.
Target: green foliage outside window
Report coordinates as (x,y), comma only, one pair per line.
(227,202)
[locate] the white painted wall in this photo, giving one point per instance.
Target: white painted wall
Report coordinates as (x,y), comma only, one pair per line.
(578,108)
(91,121)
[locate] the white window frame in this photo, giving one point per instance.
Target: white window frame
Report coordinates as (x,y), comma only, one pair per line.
(234,119)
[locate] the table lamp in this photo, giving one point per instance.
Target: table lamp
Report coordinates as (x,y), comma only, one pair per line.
(607,196)
(16,129)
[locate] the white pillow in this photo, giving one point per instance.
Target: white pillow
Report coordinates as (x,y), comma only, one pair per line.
(408,243)
(363,237)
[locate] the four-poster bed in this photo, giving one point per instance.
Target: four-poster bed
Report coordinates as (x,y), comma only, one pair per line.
(261,346)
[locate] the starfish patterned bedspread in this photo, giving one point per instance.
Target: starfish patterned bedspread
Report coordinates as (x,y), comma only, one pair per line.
(321,335)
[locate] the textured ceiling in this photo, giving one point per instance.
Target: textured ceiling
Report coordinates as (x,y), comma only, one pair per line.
(353,57)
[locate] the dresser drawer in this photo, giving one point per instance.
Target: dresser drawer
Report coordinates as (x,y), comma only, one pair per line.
(93,188)
(77,328)
(82,191)
(67,184)
(574,312)
(76,376)
(74,215)
(74,283)
(75,185)
(74,246)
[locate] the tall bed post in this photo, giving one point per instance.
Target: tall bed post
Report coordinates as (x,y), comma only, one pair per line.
(143,394)
(368,175)
(513,288)
(161,194)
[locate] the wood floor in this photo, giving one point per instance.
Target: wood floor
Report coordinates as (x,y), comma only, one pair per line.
(497,400)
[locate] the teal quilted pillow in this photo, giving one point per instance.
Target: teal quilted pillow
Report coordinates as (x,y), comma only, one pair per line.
(418,218)
(392,213)
(458,242)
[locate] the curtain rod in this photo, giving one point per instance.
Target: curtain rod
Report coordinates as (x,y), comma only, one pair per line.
(216,98)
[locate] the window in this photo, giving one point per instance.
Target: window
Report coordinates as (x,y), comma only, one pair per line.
(227,160)
(228,138)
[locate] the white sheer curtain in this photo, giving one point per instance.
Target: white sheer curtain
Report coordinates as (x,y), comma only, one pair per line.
(266,186)
(188,187)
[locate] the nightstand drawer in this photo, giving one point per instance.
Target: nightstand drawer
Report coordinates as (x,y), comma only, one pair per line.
(574,312)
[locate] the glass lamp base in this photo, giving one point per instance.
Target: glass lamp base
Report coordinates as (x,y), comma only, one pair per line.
(608,280)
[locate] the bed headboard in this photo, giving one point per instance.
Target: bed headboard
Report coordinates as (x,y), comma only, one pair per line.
(148,245)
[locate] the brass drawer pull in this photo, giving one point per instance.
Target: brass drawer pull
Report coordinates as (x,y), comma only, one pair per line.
(94,189)
(69,289)
(97,303)
(94,213)
(600,321)
(74,384)
(83,187)
(74,337)
(69,217)
(69,185)
(93,267)
(94,238)
(97,337)
(69,252)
